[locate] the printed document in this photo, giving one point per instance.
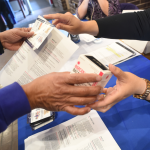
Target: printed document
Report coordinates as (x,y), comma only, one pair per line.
(135,44)
(45,52)
(87,132)
(114,53)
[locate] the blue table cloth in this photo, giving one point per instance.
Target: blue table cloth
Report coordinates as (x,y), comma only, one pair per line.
(128,121)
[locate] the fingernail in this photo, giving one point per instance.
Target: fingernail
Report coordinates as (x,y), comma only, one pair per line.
(113,67)
(98,78)
(89,110)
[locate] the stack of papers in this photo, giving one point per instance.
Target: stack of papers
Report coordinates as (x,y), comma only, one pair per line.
(87,132)
(40,117)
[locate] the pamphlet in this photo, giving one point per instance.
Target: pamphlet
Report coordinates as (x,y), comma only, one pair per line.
(85,132)
(35,59)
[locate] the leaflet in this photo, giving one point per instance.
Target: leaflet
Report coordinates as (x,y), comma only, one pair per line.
(28,64)
(85,132)
(39,114)
(113,53)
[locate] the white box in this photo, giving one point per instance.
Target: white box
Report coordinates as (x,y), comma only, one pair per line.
(89,64)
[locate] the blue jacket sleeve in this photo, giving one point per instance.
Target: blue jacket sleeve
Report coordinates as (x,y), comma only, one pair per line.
(13,104)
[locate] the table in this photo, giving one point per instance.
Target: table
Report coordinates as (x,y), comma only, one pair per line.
(128,121)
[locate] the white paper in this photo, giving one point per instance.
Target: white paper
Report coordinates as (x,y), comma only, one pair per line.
(87,37)
(27,65)
(85,132)
(113,53)
(135,44)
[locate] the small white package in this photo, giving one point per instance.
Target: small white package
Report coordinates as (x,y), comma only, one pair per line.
(89,64)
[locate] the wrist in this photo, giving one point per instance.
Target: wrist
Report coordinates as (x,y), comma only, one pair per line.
(90,27)
(30,95)
(141,86)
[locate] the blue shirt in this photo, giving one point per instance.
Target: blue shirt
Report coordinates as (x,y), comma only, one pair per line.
(13,104)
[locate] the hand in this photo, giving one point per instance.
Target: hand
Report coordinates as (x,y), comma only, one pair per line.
(13,39)
(127,84)
(56,92)
(66,22)
(72,24)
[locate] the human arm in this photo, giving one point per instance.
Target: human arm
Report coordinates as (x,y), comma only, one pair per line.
(82,8)
(13,39)
(104,5)
(123,26)
(127,84)
(54,92)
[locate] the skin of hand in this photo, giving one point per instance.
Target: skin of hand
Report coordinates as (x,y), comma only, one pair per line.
(127,84)
(56,92)
(13,39)
(72,24)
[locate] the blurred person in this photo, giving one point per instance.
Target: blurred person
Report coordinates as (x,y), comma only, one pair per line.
(4,16)
(96,9)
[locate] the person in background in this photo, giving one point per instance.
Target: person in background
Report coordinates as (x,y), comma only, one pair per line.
(54,91)
(124,26)
(96,9)
(4,17)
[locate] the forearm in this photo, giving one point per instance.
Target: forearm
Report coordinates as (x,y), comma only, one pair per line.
(126,26)
(82,9)
(104,6)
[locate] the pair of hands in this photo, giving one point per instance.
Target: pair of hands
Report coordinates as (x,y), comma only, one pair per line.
(56,91)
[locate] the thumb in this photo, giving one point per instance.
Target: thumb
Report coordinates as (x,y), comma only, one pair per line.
(25,34)
(117,72)
(63,27)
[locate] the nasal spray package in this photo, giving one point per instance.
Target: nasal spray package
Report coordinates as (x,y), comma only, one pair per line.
(89,64)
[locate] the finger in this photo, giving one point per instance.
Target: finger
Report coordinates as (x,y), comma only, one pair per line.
(77,111)
(105,108)
(108,100)
(117,72)
(25,34)
(56,21)
(25,29)
(63,26)
(83,91)
(76,78)
(104,90)
(82,100)
(55,16)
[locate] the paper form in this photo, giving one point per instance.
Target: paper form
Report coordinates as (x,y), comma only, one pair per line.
(87,132)
(27,64)
(113,53)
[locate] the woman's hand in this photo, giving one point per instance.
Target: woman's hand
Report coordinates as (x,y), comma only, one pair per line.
(72,24)
(127,84)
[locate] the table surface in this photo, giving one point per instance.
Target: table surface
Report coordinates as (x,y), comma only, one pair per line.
(128,121)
